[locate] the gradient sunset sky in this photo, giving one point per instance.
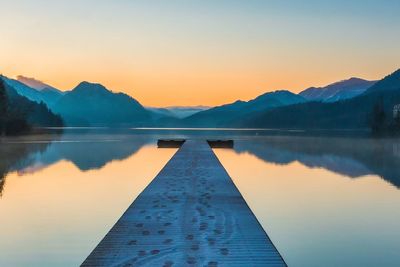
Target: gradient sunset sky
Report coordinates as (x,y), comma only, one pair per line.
(204,52)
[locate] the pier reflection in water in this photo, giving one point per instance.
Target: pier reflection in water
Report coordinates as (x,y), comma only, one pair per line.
(323,201)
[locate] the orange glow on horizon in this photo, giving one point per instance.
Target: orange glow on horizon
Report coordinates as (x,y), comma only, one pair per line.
(168,53)
(191,89)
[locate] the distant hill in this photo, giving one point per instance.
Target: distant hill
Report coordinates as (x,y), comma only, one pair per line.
(178,112)
(24,90)
(18,113)
(87,104)
(45,93)
(93,104)
(346,104)
(51,96)
(352,113)
(49,93)
(35,84)
(224,115)
(389,83)
(342,90)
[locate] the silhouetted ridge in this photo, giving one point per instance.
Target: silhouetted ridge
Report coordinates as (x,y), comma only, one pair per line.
(390,82)
(337,91)
(19,114)
(354,113)
(227,115)
(92,104)
(90,88)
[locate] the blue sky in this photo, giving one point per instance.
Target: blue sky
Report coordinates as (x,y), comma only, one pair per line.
(193,52)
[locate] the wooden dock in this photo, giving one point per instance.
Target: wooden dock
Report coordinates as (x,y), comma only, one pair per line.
(191,214)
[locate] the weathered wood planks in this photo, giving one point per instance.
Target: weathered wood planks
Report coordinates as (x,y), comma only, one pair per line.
(191,214)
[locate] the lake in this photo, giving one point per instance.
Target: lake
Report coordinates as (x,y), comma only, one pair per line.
(324,201)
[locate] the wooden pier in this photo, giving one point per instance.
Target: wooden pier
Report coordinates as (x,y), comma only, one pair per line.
(191,214)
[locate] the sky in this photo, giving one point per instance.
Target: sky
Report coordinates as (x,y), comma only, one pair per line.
(200,52)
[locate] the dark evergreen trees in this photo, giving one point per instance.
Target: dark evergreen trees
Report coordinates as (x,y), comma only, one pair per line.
(397,122)
(18,114)
(378,117)
(3,107)
(361,112)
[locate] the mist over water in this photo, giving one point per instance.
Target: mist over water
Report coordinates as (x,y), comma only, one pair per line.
(324,201)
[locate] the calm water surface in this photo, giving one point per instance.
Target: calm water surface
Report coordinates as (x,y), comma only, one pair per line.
(59,199)
(323,201)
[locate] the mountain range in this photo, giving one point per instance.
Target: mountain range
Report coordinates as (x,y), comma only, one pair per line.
(353,113)
(344,104)
(337,91)
(178,112)
(224,115)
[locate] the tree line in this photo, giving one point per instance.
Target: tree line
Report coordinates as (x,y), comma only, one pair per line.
(18,114)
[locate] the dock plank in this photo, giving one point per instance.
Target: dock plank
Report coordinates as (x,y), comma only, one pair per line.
(191,214)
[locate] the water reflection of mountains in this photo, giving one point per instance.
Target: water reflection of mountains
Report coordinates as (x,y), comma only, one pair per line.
(347,156)
(86,154)
(12,154)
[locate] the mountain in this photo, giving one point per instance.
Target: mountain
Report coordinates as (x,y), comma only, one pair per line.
(354,113)
(49,93)
(24,90)
(87,104)
(50,96)
(44,93)
(342,90)
(35,84)
(224,115)
(93,104)
(178,112)
(18,113)
(389,83)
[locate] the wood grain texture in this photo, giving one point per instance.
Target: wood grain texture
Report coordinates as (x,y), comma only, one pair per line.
(191,214)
